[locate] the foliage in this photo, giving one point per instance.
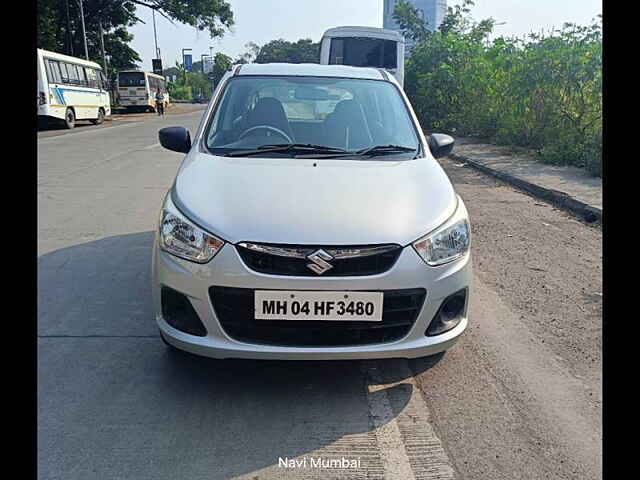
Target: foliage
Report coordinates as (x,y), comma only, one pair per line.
(190,85)
(55,34)
(221,64)
(59,35)
(282,51)
(212,15)
(179,92)
(407,17)
(543,91)
(253,49)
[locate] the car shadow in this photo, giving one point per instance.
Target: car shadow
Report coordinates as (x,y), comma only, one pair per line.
(114,399)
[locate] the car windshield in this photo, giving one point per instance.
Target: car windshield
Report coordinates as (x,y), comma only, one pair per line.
(336,114)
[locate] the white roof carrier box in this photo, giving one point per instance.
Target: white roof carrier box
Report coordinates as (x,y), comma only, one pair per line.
(364,47)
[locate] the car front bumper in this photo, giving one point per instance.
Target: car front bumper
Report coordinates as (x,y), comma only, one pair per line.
(228,270)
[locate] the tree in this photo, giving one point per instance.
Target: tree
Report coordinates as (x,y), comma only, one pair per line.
(302,51)
(411,24)
(542,92)
(212,15)
(253,49)
(221,64)
(57,34)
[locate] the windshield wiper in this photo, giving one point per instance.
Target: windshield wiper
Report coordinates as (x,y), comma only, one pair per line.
(374,151)
(385,149)
(286,147)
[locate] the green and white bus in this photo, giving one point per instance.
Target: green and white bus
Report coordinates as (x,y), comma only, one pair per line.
(71,89)
(137,90)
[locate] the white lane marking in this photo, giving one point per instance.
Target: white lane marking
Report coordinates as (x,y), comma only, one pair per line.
(151,146)
(408,445)
(394,456)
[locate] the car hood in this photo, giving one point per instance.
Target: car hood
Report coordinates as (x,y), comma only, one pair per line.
(314,202)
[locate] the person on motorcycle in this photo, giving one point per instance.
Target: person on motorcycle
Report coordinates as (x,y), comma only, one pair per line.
(160,101)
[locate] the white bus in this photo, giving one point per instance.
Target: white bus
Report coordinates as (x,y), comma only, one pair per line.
(364,47)
(71,89)
(137,90)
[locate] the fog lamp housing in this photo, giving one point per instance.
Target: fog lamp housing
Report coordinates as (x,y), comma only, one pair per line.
(451,312)
(178,312)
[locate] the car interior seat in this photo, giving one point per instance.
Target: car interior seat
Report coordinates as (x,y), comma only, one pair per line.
(347,127)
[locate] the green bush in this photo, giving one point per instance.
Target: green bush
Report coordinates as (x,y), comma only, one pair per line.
(543,91)
(180,92)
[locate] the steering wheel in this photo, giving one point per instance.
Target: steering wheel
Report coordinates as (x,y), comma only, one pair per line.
(266,127)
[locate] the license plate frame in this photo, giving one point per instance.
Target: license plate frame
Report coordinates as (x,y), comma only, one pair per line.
(321,305)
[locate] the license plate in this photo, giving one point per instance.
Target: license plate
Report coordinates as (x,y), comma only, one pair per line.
(323,305)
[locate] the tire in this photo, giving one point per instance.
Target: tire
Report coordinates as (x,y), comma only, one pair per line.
(70,119)
(100,118)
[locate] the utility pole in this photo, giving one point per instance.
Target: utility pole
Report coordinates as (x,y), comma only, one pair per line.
(69,36)
(155,35)
(84,34)
(104,57)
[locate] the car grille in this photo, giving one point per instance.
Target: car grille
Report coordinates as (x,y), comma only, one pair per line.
(234,308)
(291,260)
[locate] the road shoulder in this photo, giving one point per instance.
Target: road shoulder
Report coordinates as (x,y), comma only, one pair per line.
(569,188)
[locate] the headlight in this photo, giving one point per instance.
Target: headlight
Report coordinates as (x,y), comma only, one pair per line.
(183,239)
(448,242)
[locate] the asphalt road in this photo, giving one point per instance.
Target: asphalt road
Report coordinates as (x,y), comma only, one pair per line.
(519,397)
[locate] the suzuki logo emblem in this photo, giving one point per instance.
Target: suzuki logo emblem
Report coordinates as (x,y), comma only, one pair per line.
(320,263)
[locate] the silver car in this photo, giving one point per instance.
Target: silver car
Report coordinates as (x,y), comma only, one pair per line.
(309,220)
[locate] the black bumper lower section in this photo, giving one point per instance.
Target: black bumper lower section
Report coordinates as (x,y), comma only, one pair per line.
(178,312)
(234,308)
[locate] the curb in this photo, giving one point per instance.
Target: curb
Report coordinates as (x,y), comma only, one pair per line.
(561,200)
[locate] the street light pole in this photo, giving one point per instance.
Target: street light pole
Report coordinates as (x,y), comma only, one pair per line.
(84,33)
(155,35)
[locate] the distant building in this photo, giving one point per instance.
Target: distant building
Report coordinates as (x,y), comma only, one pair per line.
(432,11)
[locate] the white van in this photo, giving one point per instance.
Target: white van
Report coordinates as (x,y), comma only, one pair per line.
(71,89)
(364,47)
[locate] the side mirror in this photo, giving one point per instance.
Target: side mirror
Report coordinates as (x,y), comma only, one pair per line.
(175,138)
(440,145)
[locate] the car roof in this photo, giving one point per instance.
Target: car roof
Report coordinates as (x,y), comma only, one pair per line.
(309,70)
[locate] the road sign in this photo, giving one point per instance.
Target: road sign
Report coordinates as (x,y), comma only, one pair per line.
(188,62)
(208,65)
(157,66)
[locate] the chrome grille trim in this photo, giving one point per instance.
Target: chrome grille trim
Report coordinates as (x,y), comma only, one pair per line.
(336,253)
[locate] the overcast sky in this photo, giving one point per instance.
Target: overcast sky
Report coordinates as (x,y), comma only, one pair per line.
(261,21)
